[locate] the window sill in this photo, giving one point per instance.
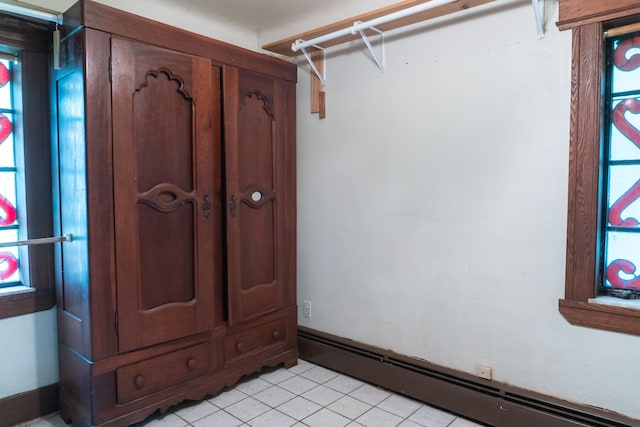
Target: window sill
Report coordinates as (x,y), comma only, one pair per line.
(616,302)
(14,290)
(603,314)
(19,300)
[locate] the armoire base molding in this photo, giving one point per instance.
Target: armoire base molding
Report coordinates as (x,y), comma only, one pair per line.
(488,402)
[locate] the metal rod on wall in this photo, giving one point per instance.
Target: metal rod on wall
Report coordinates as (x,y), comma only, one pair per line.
(301,44)
(619,31)
(42,241)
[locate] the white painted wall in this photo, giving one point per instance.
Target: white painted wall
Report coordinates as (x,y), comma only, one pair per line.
(29,355)
(432,206)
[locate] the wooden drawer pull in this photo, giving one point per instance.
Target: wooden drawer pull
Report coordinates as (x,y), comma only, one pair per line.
(191,364)
(276,335)
(139,381)
(239,346)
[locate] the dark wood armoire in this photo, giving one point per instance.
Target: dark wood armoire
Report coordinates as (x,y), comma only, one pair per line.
(176,179)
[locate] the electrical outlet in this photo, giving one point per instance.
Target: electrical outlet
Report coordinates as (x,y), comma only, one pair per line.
(484,372)
(306,309)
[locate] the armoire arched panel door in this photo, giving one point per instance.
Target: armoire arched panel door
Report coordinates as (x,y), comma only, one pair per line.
(166,157)
(177,181)
(260,193)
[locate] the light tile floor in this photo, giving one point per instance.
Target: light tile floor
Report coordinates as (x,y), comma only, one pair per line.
(305,395)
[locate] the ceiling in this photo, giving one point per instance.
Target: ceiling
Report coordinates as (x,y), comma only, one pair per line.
(257,15)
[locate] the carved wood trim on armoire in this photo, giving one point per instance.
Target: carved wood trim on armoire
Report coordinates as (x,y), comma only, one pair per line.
(176,178)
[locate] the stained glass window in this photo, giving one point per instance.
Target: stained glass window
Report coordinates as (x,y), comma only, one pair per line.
(9,263)
(620,254)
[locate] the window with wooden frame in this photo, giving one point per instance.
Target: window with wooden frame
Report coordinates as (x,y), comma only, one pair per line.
(26,272)
(603,166)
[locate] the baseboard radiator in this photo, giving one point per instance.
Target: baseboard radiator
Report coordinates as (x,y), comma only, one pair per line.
(488,402)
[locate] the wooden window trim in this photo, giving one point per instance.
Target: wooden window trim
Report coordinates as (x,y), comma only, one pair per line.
(572,13)
(584,182)
(32,39)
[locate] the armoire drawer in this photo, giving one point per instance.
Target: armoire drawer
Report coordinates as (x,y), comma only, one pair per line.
(143,378)
(255,340)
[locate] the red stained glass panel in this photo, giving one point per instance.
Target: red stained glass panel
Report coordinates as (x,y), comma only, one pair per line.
(9,257)
(620,257)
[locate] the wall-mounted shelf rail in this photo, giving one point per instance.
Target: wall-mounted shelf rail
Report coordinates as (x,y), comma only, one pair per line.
(283,46)
(372,23)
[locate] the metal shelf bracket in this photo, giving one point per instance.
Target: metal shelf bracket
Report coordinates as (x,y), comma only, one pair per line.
(321,75)
(380,60)
(538,10)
